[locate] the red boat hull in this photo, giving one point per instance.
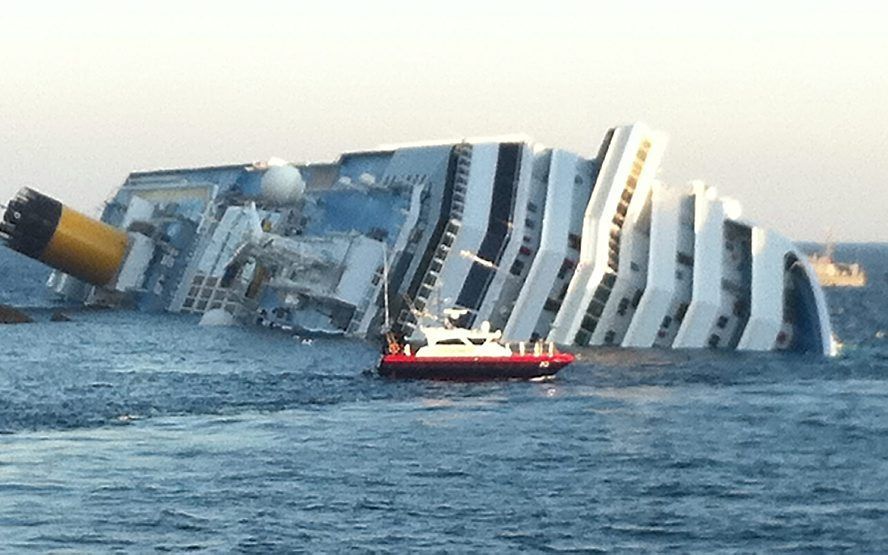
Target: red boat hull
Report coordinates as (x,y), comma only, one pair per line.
(520,367)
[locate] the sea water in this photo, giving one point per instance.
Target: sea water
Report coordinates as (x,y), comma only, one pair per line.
(129,432)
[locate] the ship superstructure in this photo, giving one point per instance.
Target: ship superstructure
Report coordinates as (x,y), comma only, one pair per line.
(541,242)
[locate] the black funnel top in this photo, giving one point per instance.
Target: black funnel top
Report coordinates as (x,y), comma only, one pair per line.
(30,221)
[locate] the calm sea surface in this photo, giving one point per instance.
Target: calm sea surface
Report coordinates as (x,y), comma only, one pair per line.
(127,432)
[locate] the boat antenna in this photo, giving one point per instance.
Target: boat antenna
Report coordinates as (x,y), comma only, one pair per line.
(385,286)
(830,247)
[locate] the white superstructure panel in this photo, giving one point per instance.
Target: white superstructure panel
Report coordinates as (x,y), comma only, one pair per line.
(606,192)
(473,226)
(660,289)
(553,247)
(633,236)
(360,263)
(766,308)
(626,176)
(709,218)
(510,250)
(138,256)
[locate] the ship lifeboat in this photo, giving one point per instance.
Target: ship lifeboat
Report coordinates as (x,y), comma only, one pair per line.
(459,354)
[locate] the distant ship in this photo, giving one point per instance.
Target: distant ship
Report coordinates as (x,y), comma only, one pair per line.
(543,243)
(836,274)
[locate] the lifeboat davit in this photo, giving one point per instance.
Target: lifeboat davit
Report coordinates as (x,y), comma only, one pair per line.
(459,354)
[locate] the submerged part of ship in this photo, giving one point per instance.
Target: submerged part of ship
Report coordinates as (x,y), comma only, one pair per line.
(541,242)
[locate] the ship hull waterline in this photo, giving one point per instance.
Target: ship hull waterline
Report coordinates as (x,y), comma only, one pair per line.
(516,367)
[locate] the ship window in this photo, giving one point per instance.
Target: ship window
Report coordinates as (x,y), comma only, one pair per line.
(722,322)
(667,321)
(551,305)
(610,279)
(582,337)
(588,323)
(205,294)
(566,265)
(517,268)
(601,294)
(682,310)
(634,267)
(713,341)
(609,337)
(563,292)
(573,241)
(478,341)
(188,303)
(684,259)
(623,306)
(211,282)
(679,275)
(637,298)
(595,308)
(530,224)
(531,207)
(435,266)
(450,342)
(527,239)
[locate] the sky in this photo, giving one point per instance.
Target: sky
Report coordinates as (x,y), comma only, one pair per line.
(781,105)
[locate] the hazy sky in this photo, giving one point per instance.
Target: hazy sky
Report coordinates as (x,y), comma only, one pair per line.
(781,105)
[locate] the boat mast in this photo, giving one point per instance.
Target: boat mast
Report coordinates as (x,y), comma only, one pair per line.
(385,287)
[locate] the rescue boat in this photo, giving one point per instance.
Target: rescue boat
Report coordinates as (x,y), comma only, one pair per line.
(459,354)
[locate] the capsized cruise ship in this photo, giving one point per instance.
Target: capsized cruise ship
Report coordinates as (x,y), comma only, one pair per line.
(541,242)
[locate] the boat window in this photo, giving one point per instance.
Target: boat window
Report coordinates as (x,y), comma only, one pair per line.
(478,341)
(450,342)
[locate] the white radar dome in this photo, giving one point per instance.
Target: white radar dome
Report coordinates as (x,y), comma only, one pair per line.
(282,185)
